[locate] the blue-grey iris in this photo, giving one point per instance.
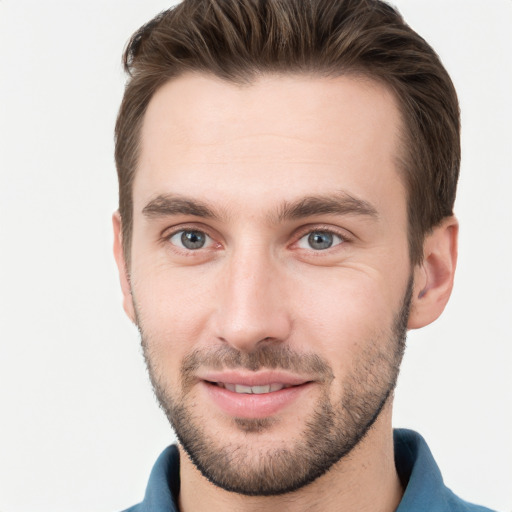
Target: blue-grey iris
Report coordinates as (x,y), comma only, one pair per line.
(319,240)
(193,239)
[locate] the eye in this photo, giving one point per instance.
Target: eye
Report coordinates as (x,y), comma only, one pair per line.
(190,239)
(319,240)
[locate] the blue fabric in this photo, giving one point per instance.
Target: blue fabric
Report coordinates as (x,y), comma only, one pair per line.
(420,476)
(163,485)
(422,480)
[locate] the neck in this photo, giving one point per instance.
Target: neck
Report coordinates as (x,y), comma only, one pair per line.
(364,480)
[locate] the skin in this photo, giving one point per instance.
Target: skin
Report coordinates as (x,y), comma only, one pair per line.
(245,153)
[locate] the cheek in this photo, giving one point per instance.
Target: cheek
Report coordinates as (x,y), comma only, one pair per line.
(344,314)
(173,308)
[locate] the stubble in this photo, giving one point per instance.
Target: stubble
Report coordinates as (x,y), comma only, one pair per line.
(331,432)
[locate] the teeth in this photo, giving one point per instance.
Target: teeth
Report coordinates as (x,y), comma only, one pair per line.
(256,390)
(240,388)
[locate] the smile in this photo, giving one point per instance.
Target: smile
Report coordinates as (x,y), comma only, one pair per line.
(255,390)
(244,395)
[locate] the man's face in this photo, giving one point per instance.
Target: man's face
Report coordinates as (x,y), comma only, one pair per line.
(269,271)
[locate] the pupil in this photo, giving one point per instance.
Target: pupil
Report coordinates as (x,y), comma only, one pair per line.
(320,240)
(193,239)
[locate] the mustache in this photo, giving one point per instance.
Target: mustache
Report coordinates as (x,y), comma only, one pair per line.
(267,356)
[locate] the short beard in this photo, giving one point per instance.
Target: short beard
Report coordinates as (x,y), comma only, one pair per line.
(331,433)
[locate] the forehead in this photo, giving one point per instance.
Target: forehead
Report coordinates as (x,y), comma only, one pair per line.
(280,133)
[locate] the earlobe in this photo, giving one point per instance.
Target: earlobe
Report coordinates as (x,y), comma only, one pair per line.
(124,277)
(433,278)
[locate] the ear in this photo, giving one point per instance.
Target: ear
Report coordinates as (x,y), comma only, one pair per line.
(124,276)
(433,278)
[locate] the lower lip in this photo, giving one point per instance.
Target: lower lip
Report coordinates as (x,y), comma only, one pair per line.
(247,405)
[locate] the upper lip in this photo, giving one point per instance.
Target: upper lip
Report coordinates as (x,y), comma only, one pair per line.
(248,378)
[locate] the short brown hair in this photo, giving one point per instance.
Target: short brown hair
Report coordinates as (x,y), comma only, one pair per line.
(237,40)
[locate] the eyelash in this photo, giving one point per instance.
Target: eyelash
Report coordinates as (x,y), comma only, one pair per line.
(308,230)
(167,236)
(305,231)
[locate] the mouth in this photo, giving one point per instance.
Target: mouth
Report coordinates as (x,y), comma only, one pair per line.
(254,394)
(254,390)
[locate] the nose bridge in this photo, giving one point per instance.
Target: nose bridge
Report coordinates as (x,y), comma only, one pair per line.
(252,308)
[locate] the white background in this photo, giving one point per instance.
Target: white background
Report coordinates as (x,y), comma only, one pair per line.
(79,428)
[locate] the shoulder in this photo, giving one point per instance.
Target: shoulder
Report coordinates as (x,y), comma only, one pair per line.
(163,485)
(456,504)
(421,478)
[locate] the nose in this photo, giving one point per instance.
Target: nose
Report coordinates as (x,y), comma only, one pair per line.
(252,306)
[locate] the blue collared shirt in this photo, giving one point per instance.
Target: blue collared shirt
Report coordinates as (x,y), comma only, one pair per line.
(418,472)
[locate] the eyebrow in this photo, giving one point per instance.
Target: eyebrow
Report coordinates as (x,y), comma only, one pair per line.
(340,203)
(167,205)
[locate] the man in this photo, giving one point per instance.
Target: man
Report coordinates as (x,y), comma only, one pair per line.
(287,175)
